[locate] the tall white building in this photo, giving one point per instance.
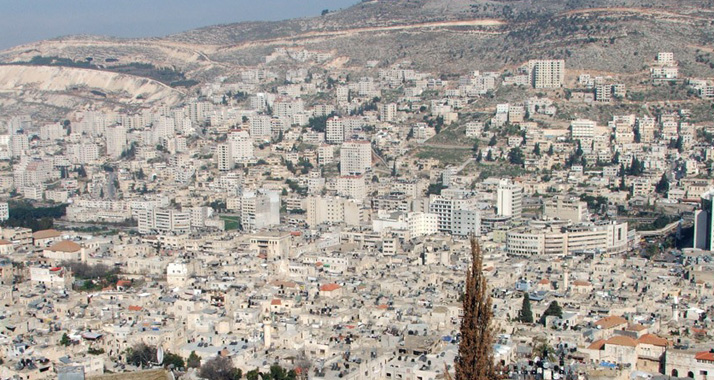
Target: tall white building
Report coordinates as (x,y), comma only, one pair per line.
(703,226)
(422,224)
(261,126)
(319,210)
(325,155)
(241,146)
(509,199)
(116,140)
(355,157)
(224,158)
(582,129)
(456,215)
(19,143)
(4,211)
(352,186)
(260,209)
(547,73)
(387,112)
(335,130)
(84,153)
(160,220)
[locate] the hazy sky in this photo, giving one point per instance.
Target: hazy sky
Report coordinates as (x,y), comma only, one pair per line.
(23,21)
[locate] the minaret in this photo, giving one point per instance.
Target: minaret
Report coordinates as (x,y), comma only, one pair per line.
(675,309)
(267,330)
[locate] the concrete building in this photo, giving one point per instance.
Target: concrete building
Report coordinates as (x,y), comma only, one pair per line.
(271,245)
(560,241)
(224,158)
(333,210)
(582,129)
(509,199)
(4,211)
(116,140)
(703,226)
(260,209)
(566,208)
(334,130)
(162,220)
(547,73)
(241,146)
(351,186)
(422,224)
(355,157)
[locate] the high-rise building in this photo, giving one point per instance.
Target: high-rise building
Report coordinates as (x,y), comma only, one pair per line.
(387,112)
(703,226)
(355,157)
(4,211)
(260,209)
(261,126)
(352,186)
(334,130)
(240,146)
(224,158)
(509,200)
(163,220)
(19,143)
(547,73)
(582,129)
(116,140)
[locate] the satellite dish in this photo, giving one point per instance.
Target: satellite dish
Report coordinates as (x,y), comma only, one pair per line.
(160,355)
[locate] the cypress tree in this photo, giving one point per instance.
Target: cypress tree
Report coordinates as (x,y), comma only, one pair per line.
(526,315)
(475,358)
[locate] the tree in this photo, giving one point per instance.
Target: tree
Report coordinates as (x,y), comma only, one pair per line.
(515,156)
(220,368)
(536,149)
(252,375)
(435,188)
(663,185)
(173,359)
(475,357)
(140,355)
(526,314)
(193,360)
(616,158)
(493,141)
(489,156)
(65,340)
(550,150)
(552,310)
(636,168)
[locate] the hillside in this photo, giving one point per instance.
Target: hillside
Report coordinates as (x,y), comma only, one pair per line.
(446,36)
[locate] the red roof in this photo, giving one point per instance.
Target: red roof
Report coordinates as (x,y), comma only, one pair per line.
(706,355)
(276,302)
(653,340)
(596,345)
(329,287)
(621,340)
(134,308)
(610,322)
(123,283)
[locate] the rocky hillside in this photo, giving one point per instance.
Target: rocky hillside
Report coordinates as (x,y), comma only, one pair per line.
(448,36)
